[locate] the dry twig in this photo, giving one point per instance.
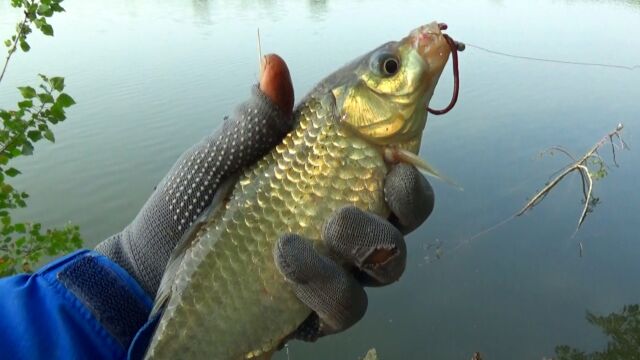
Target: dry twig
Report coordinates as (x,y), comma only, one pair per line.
(581,166)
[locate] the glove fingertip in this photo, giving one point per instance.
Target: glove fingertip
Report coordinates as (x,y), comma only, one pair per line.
(289,253)
(410,197)
(373,248)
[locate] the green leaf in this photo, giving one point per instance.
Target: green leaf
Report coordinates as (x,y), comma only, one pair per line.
(27,148)
(45,10)
(24,45)
(15,123)
(47,29)
(27,92)
(23,28)
(7,43)
(20,203)
(20,228)
(6,187)
(26,104)
(20,242)
(4,159)
(45,98)
(30,8)
(57,83)
(12,172)
(15,152)
(57,8)
(48,134)
(34,135)
(65,100)
(57,113)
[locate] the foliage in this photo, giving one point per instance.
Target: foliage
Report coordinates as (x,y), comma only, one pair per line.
(622,328)
(36,13)
(22,244)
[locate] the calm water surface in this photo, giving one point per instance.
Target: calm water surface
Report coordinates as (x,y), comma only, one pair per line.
(153,77)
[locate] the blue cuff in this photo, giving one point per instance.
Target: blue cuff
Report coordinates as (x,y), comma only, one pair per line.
(80,306)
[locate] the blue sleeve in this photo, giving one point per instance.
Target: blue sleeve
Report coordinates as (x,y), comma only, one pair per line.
(82,306)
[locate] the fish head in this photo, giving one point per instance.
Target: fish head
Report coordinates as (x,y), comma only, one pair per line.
(383,95)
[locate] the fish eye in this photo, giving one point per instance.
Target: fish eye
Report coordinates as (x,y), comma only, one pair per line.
(390,66)
(385,64)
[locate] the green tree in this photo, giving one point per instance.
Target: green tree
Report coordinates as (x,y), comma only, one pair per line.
(622,328)
(23,244)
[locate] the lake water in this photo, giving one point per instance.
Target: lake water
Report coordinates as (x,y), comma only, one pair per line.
(153,77)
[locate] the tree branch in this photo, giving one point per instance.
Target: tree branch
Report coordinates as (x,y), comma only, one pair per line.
(14,47)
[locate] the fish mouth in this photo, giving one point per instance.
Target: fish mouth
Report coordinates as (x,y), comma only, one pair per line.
(430,43)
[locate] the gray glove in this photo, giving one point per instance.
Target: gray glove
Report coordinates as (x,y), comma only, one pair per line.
(144,246)
(372,248)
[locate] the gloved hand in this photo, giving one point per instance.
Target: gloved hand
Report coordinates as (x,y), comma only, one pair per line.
(257,125)
(371,248)
(365,250)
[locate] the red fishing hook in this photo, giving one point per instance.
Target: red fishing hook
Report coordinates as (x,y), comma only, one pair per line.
(455,47)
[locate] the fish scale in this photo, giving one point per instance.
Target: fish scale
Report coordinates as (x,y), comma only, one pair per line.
(229,287)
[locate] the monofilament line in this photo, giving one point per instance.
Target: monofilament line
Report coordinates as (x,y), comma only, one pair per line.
(259,53)
(566,62)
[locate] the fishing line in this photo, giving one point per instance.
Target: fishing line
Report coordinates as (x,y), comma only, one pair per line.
(556,61)
(259,53)
(457,46)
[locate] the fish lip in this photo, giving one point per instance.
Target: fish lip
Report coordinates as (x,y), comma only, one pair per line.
(432,28)
(430,43)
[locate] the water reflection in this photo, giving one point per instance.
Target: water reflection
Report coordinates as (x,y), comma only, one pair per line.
(635,4)
(622,328)
(202,11)
(317,9)
(211,11)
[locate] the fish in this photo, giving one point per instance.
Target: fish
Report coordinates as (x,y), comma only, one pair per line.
(222,295)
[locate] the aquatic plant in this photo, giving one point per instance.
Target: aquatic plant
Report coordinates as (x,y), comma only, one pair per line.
(23,244)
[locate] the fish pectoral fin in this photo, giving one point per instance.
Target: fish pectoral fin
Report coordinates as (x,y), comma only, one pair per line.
(405,156)
(187,241)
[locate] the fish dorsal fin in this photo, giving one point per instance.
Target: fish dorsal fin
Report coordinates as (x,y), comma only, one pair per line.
(187,241)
